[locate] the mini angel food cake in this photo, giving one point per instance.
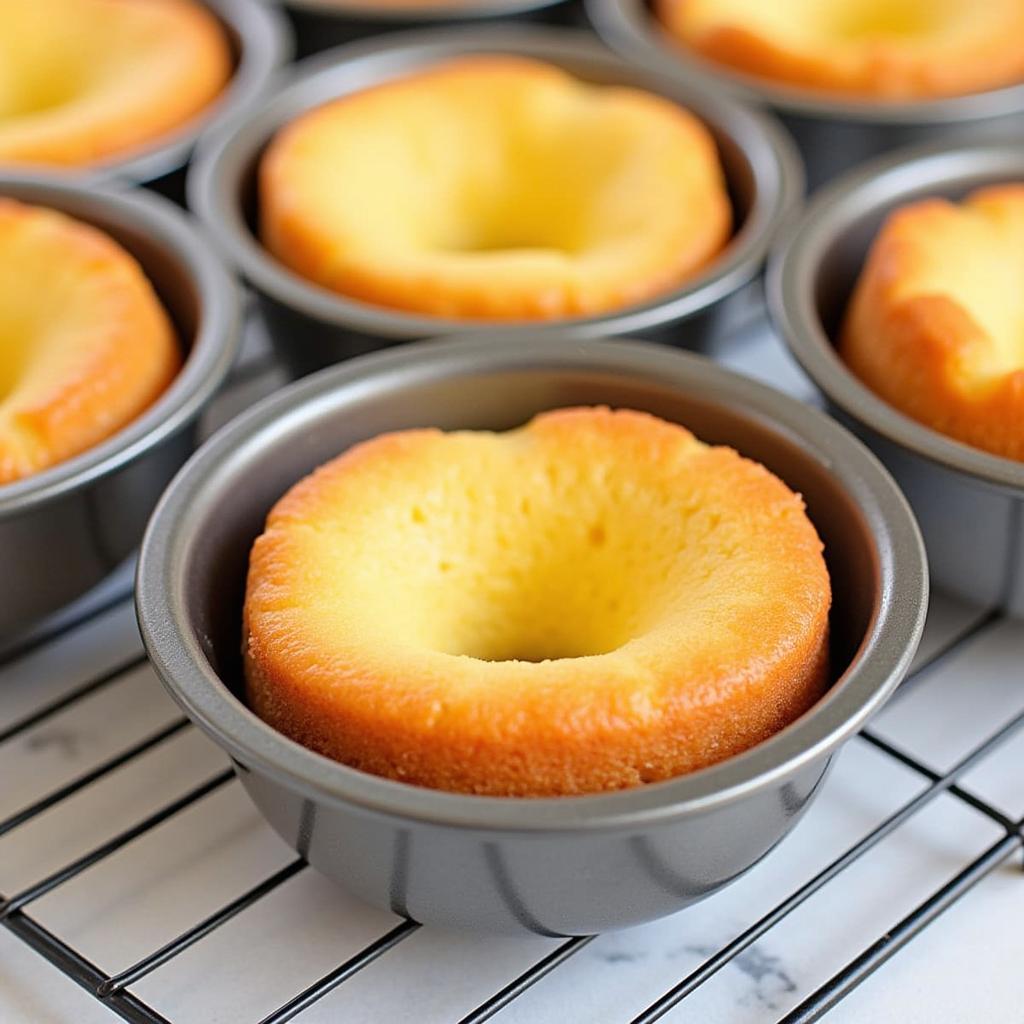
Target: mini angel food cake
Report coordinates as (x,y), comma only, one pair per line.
(888,49)
(936,323)
(84,81)
(495,188)
(590,602)
(85,345)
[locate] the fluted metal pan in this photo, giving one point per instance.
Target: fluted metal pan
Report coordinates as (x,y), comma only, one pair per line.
(313,327)
(62,530)
(970,504)
(833,132)
(561,866)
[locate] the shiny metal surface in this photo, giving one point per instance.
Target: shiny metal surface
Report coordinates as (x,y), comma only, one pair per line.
(970,504)
(321,24)
(262,42)
(64,529)
(313,327)
(551,866)
(833,133)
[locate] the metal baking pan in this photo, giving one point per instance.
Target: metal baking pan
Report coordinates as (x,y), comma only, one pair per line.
(321,24)
(563,866)
(62,530)
(262,42)
(313,327)
(970,504)
(833,133)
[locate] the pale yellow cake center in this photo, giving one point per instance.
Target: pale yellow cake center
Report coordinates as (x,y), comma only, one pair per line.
(582,590)
(976,257)
(21,311)
(885,19)
(495,548)
(53,52)
(844,23)
(546,178)
(35,90)
(544,573)
(46,297)
(71,58)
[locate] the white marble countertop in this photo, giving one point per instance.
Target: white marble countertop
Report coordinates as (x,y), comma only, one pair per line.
(963,968)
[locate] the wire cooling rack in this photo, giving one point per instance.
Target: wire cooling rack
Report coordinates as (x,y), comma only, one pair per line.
(131,862)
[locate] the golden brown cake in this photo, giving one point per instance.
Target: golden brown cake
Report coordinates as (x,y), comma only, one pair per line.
(85,81)
(591,602)
(936,323)
(495,188)
(85,345)
(887,49)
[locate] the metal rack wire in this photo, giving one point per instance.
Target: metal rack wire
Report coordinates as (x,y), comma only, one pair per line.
(115,991)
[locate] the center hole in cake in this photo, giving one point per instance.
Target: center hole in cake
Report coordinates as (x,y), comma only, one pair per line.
(501,559)
(10,366)
(25,102)
(564,594)
(38,74)
(542,213)
(527,219)
(532,188)
(568,590)
(31,330)
(18,331)
(504,238)
(895,19)
(974,256)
